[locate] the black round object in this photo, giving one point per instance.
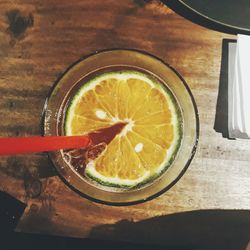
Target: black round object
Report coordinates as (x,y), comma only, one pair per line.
(231,16)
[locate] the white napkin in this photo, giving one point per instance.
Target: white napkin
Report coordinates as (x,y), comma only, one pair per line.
(239,88)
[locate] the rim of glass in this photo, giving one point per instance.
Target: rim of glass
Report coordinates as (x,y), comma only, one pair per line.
(108,59)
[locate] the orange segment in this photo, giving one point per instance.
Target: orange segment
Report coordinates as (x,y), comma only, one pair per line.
(159,134)
(161,117)
(81,124)
(114,162)
(153,102)
(151,155)
(138,92)
(106,94)
(109,156)
(82,107)
(123,92)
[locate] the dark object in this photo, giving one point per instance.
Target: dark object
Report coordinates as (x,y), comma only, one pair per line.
(10,212)
(225,15)
(197,230)
(19,241)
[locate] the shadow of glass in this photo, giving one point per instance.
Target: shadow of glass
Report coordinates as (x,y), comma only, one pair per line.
(194,17)
(221,116)
(201,229)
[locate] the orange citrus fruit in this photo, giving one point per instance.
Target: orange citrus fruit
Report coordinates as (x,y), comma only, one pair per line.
(149,141)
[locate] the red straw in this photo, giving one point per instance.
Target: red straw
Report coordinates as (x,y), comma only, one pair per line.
(21,145)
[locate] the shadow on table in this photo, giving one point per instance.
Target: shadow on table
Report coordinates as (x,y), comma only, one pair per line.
(11,211)
(202,229)
(185,12)
(221,117)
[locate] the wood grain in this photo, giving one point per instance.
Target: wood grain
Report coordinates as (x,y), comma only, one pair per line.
(54,34)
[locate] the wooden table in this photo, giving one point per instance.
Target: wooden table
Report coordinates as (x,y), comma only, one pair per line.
(38,41)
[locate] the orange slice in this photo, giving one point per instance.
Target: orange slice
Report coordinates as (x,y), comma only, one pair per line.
(147,144)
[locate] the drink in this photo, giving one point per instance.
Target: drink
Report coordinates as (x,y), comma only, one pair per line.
(147,123)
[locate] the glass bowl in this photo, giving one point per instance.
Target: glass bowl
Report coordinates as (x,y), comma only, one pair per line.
(108,61)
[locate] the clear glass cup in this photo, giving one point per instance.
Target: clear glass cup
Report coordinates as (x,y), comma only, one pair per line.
(108,61)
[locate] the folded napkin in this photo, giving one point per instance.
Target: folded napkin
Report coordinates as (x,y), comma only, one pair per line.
(239,88)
